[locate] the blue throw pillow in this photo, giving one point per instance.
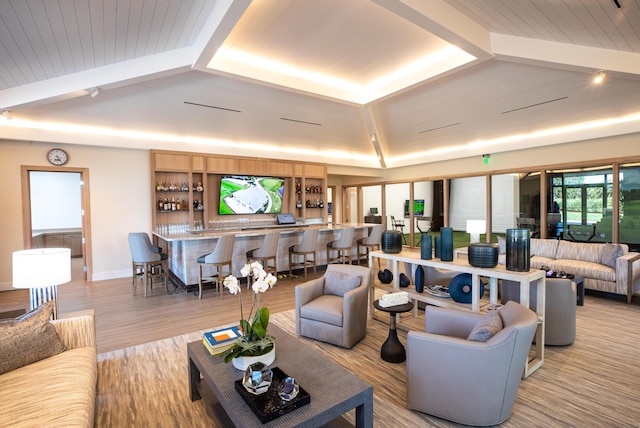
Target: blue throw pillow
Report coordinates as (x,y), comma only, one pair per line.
(486,327)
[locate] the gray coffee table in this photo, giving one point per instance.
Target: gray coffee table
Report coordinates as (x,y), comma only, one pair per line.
(333,389)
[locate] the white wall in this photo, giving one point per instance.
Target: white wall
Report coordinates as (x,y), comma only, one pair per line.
(120,201)
(55,200)
(505,195)
(395,195)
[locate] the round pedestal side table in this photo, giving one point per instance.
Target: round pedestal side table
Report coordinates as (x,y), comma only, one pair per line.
(392,350)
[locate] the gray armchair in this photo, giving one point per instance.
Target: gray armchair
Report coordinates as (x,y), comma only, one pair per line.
(323,314)
(472,383)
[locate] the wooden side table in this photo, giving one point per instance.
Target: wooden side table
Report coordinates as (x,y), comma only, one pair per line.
(392,350)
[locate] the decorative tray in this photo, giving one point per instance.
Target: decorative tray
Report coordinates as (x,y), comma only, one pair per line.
(269,406)
(438,291)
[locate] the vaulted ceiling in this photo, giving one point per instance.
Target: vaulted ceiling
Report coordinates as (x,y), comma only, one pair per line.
(371,83)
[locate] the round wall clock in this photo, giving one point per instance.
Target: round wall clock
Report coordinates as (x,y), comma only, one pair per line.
(57,157)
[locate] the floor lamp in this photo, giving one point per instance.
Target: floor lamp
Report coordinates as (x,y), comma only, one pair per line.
(41,271)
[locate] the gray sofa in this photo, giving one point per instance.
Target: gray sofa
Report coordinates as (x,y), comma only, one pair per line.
(58,391)
(605,267)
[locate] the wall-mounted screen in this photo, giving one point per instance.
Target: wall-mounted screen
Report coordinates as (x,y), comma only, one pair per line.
(243,194)
(418,207)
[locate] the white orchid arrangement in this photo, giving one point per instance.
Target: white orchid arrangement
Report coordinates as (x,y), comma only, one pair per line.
(255,340)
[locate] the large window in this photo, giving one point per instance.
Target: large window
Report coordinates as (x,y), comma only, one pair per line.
(584,200)
(629,222)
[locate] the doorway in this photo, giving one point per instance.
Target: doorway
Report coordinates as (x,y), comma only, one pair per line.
(57,215)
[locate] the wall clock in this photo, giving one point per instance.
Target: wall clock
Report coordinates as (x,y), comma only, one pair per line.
(57,157)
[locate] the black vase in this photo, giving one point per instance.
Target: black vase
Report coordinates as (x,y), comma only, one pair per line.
(446,244)
(518,250)
(391,241)
(418,279)
(426,250)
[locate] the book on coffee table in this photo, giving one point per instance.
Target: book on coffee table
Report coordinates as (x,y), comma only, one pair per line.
(219,340)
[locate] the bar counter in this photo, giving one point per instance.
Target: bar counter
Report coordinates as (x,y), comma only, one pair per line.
(184,249)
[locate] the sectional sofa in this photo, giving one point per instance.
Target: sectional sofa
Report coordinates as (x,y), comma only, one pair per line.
(610,268)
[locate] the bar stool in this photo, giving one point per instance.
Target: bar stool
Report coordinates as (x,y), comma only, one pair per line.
(305,248)
(148,262)
(370,243)
(342,246)
(217,260)
(265,254)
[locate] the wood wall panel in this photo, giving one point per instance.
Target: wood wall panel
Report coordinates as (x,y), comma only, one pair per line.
(171,162)
(284,169)
(222,165)
(316,171)
(197,164)
(253,166)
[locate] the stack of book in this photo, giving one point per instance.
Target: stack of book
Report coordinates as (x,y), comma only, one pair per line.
(219,340)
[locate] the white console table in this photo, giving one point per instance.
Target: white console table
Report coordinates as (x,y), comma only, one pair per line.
(412,258)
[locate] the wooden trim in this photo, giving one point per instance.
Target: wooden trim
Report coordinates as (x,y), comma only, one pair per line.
(85,206)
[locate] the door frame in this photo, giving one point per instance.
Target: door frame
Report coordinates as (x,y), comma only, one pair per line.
(85,206)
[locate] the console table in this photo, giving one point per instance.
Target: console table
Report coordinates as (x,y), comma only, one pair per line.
(411,259)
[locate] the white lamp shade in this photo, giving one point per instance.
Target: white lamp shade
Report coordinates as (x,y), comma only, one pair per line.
(42,267)
(476,226)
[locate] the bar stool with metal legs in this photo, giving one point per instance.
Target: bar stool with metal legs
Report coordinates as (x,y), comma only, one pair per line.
(370,243)
(266,254)
(216,261)
(342,246)
(307,247)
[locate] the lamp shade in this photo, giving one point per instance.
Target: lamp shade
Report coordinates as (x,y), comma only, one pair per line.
(42,267)
(476,226)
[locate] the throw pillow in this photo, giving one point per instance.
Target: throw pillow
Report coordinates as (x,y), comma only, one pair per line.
(502,245)
(610,253)
(338,283)
(28,338)
(486,327)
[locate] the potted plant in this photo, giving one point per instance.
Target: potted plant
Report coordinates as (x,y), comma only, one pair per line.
(255,344)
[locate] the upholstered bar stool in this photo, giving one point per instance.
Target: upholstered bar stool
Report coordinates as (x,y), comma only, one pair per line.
(341,247)
(266,254)
(216,261)
(148,262)
(370,243)
(306,247)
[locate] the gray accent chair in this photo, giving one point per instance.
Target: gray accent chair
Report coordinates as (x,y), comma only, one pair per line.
(559,308)
(148,261)
(471,383)
(341,321)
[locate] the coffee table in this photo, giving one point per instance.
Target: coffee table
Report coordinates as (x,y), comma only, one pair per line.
(333,389)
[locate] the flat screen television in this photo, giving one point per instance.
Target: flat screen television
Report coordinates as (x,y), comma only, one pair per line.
(418,207)
(248,194)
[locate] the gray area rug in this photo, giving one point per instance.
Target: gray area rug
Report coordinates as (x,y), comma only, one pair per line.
(593,382)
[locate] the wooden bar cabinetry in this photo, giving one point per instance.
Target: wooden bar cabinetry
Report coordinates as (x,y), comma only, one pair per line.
(193,181)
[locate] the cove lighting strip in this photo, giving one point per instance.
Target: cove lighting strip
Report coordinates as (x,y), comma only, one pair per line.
(172,138)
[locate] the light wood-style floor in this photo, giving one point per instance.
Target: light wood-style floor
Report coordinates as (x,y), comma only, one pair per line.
(123,319)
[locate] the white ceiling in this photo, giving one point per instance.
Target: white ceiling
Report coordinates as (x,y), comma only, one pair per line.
(371,83)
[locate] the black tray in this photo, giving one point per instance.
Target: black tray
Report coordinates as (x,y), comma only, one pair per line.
(268,405)
(560,275)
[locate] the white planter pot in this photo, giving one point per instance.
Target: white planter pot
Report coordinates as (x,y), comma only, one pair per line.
(241,363)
